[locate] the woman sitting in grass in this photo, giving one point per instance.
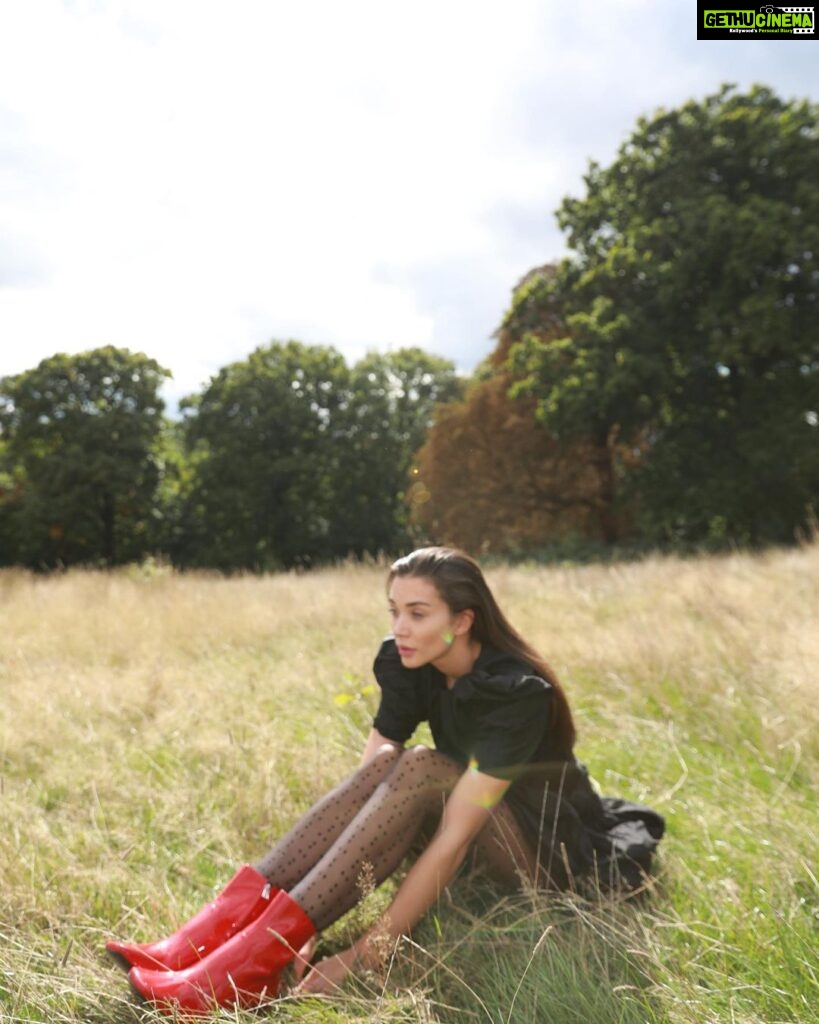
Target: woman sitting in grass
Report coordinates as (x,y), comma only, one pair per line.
(502,779)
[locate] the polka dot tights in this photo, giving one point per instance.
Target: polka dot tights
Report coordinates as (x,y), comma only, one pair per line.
(315,833)
(368,824)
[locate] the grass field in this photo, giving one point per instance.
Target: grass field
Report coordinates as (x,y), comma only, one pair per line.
(156,730)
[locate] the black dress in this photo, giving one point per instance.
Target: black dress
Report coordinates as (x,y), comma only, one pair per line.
(497,719)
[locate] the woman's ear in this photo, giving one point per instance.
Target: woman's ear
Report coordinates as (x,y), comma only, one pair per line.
(463,621)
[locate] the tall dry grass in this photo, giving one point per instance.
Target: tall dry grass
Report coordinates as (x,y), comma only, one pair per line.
(156,729)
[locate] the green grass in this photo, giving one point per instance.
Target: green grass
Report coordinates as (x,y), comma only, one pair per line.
(158,729)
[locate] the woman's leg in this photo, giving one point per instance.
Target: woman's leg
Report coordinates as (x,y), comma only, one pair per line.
(379,836)
(379,831)
(373,817)
(247,896)
(504,848)
(310,838)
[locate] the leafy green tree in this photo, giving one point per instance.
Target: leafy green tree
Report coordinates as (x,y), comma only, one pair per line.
(78,433)
(297,459)
(167,533)
(10,493)
(691,307)
(261,437)
(390,410)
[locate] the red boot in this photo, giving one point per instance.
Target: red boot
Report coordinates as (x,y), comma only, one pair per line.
(246,895)
(243,972)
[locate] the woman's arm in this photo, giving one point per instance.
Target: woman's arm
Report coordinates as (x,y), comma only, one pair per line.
(376,742)
(466,812)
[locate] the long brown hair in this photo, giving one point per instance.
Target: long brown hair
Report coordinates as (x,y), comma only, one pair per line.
(458,579)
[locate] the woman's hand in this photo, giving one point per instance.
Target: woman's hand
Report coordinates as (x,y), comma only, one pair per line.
(302,959)
(328,975)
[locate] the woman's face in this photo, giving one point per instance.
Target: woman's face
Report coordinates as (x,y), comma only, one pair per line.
(422,622)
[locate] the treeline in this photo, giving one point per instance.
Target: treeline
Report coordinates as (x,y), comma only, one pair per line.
(660,386)
(289,457)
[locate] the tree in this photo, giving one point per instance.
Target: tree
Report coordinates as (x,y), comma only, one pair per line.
(170,515)
(10,495)
(490,478)
(297,459)
(78,434)
(393,397)
(691,306)
(262,438)
(533,331)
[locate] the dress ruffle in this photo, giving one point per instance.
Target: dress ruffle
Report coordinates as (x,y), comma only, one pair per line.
(492,686)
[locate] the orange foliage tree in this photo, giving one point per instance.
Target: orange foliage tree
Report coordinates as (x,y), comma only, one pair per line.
(490,477)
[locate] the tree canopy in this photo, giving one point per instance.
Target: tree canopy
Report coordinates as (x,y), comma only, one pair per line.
(288,457)
(392,400)
(489,476)
(261,435)
(298,458)
(691,305)
(78,434)
(490,479)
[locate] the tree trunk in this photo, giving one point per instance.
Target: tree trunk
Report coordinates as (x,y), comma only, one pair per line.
(604,465)
(109,552)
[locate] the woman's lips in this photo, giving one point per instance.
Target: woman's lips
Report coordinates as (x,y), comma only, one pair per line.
(405,652)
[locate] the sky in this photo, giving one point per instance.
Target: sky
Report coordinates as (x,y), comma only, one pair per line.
(192,179)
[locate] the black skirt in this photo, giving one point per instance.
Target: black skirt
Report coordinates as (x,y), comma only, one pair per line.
(579,835)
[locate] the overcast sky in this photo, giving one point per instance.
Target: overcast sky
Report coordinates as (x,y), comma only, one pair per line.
(191,178)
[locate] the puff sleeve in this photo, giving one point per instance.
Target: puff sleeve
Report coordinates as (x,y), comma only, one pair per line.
(401,707)
(510,720)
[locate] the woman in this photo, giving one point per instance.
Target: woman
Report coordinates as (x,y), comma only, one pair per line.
(502,780)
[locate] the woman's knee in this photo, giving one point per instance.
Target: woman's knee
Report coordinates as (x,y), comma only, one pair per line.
(385,758)
(420,765)
(426,758)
